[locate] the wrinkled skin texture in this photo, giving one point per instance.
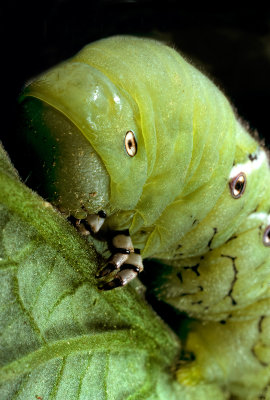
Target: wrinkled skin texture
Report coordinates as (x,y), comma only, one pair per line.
(173,196)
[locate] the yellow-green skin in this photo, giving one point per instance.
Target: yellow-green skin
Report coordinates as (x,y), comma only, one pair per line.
(174,194)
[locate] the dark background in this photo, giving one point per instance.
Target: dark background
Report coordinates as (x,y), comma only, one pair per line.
(231,46)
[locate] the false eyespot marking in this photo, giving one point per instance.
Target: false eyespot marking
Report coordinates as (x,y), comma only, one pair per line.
(239,173)
(266,236)
(264,217)
(130,144)
(238,185)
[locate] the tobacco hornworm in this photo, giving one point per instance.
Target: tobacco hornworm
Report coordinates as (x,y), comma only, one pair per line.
(130,138)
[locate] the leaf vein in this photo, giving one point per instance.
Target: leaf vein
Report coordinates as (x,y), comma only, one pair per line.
(50,270)
(105,341)
(69,292)
(24,381)
(106,373)
(26,311)
(19,257)
(55,387)
(83,375)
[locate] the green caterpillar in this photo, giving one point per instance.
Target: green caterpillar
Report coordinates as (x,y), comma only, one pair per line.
(130,138)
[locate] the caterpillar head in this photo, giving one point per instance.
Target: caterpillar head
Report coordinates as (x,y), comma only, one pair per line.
(84,139)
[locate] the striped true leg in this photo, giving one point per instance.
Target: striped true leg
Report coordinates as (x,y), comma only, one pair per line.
(125,262)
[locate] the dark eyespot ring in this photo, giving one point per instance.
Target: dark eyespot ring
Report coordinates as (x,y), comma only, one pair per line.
(238,185)
(266,236)
(130,144)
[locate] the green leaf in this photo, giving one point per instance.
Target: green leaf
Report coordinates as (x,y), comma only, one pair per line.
(62,338)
